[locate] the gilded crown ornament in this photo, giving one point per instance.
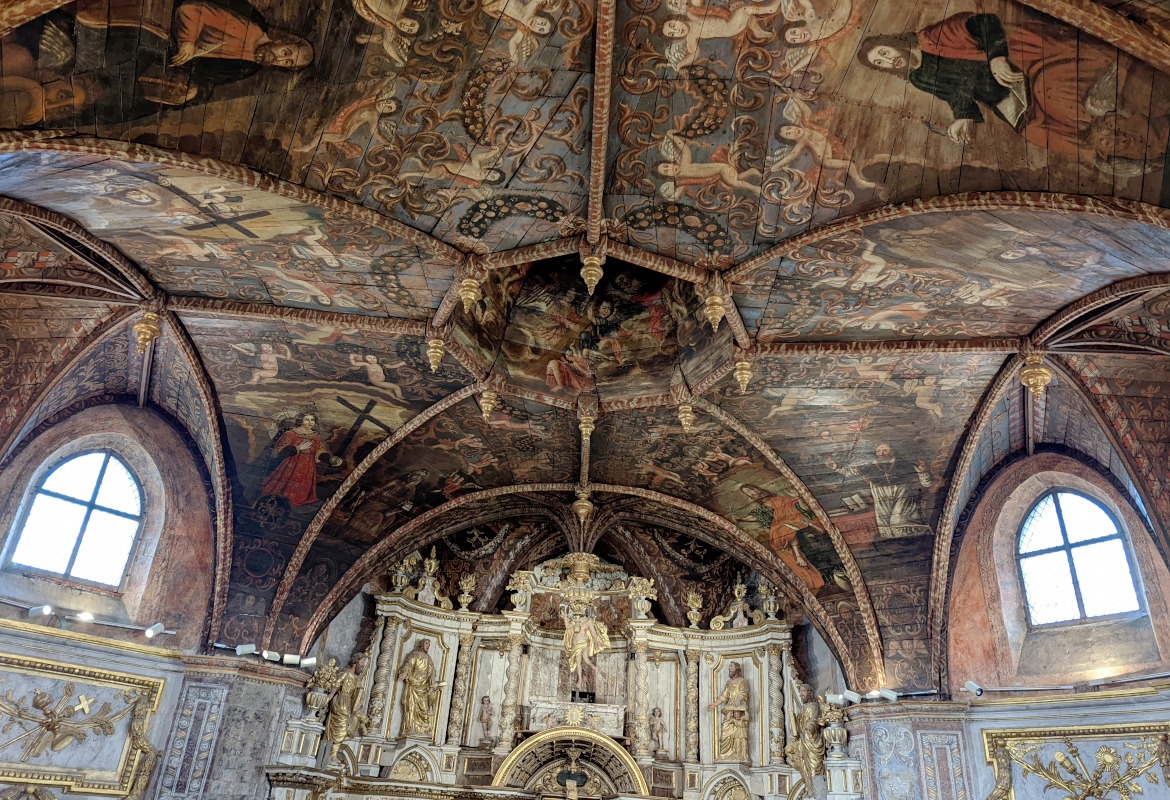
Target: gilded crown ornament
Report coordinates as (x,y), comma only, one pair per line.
(470,293)
(591,272)
(147,329)
(1035,375)
(435,351)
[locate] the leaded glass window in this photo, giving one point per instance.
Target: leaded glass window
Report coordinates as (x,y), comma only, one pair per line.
(81,522)
(1074,559)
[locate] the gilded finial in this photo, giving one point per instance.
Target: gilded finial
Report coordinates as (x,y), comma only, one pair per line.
(435,351)
(715,307)
(470,293)
(591,272)
(147,330)
(1035,375)
(686,417)
(488,402)
(743,375)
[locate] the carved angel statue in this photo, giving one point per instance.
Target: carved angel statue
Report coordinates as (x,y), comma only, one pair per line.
(585,637)
(682,169)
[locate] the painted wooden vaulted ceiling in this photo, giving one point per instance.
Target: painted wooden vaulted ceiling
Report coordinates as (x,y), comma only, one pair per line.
(892,202)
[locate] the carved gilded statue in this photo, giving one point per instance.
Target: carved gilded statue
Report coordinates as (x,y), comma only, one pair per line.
(806,750)
(420,692)
(732,742)
(345,719)
(585,637)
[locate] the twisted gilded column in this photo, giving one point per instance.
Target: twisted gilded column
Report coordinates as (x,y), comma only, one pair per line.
(775,706)
(641,698)
(459,690)
(388,628)
(692,706)
(511,695)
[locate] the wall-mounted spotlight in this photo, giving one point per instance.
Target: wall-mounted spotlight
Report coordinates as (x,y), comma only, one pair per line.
(245,649)
(154,630)
(270,655)
(308,663)
(291,659)
(83,616)
(973,688)
(888,694)
(37,612)
(846,697)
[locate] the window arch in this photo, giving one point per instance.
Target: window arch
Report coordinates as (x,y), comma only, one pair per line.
(1074,561)
(82,520)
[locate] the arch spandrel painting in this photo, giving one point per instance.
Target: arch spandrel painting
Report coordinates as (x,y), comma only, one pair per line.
(736,123)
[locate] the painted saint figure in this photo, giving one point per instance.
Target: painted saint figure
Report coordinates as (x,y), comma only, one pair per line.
(299,449)
(896,506)
(1035,80)
(419,691)
(732,742)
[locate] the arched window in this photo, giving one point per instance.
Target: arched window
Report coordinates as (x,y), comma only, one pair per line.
(82,520)
(1074,561)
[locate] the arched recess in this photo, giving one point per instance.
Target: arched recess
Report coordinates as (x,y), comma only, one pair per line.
(523,763)
(726,534)
(1096,305)
(989,637)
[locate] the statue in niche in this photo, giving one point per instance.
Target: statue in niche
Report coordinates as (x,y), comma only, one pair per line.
(585,637)
(658,734)
(732,742)
(344,719)
(806,750)
(487,719)
(420,692)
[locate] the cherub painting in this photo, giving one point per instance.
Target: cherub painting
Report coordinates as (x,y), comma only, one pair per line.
(684,172)
(699,23)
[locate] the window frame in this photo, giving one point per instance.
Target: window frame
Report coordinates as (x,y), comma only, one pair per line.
(1067,548)
(18,529)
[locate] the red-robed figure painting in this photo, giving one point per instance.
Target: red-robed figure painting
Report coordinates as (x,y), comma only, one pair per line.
(1052,87)
(299,449)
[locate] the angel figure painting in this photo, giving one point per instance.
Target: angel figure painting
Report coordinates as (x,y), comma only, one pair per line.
(686,174)
(531,20)
(699,23)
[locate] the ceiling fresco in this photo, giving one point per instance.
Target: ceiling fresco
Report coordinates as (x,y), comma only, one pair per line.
(364,222)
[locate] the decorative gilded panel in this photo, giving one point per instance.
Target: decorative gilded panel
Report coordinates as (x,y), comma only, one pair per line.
(1106,762)
(75,727)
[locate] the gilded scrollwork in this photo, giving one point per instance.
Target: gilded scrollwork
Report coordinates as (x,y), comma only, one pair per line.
(1110,762)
